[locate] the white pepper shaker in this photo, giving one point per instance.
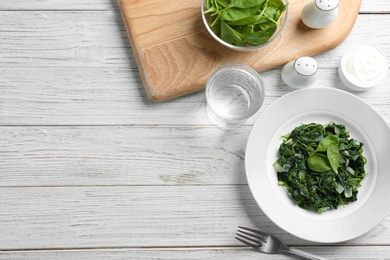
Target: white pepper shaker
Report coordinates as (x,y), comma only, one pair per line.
(300,73)
(320,13)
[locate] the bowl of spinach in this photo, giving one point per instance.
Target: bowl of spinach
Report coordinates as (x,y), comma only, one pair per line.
(317,168)
(245,25)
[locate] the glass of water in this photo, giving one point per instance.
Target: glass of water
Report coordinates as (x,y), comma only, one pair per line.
(234,92)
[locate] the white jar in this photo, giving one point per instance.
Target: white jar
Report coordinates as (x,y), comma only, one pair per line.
(362,67)
(300,73)
(320,13)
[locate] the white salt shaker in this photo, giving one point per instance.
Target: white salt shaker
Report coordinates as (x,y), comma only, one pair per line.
(300,73)
(320,13)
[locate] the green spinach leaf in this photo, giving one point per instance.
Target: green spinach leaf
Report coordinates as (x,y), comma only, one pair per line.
(229,35)
(334,156)
(244,22)
(246,3)
(318,162)
(235,14)
(261,36)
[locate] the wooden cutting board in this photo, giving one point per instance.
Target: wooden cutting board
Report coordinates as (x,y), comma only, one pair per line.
(176,55)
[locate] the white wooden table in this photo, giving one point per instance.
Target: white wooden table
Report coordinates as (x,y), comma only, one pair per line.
(90,169)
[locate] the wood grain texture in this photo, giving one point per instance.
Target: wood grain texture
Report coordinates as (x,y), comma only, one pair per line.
(381,7)
(331,252)
(368,6)
(63,156)
(98,39)
(139,216)
(176,55)
(47,39)
(58,5)
(99,96)
(91,169)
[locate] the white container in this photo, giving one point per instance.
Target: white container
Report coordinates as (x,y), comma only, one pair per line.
(300,73)
(320,13)
(362,67)
(281,23)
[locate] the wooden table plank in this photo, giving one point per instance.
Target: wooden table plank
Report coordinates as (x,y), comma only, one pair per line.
(116,97)
(46,38)
(98,39)
(58,5)
(138,216)
(369,6)
(331,252)
(378,6)
(91,155)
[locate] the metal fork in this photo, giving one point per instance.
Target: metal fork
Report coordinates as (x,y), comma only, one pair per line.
(269,244)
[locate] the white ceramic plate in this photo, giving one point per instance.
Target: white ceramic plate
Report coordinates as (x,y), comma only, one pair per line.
(320,105)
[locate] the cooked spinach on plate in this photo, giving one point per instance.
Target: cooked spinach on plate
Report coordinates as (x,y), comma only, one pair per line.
(320,166)
(244,22)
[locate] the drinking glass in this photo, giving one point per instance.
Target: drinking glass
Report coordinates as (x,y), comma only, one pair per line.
(234,93)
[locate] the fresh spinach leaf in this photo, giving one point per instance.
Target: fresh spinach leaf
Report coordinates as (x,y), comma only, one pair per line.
(318,162)
(261,36)
(223,3)
(229,35)
(244,22)
(324,144)
(246,3)
(334,156)
(235,14)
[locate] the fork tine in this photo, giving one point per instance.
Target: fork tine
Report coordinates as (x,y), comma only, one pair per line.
(247,243)
(265,235)
(251,236)
(249,239)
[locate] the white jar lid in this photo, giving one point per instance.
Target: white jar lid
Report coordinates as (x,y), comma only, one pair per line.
(362,67)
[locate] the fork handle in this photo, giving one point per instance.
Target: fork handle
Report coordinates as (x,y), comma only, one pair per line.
(304,254)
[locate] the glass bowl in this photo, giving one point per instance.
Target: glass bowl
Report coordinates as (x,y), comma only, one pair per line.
(232,38)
